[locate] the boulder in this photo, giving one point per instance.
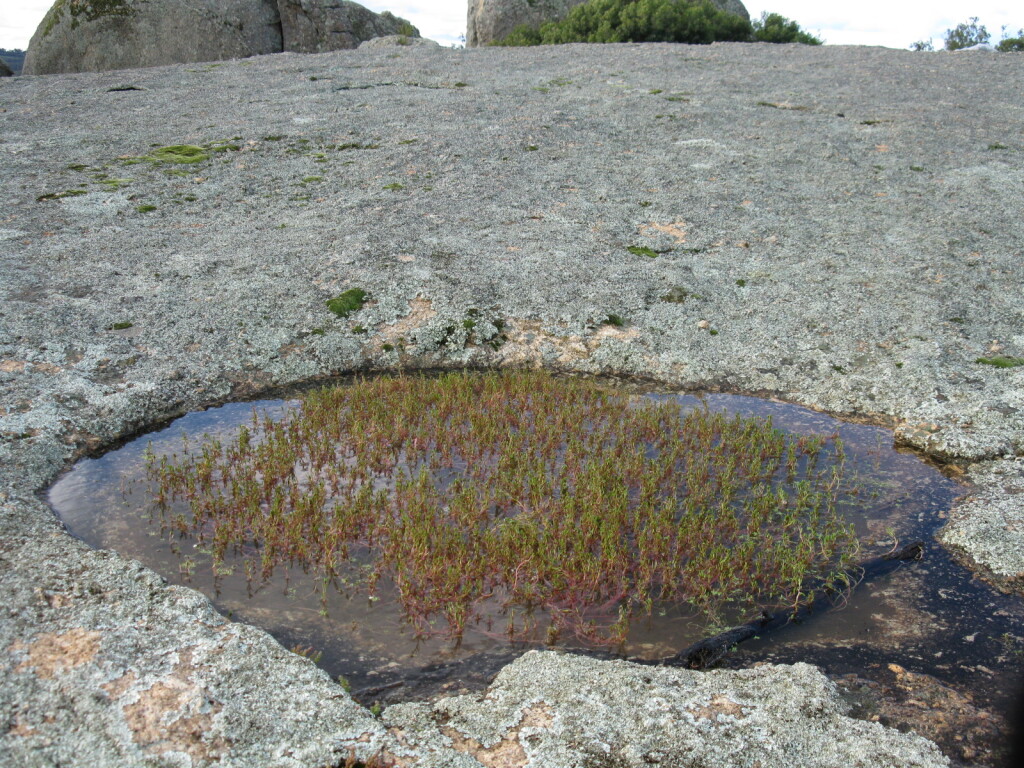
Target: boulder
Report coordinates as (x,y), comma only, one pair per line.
(491,20)
(315,26)
(98,35)
(5,71)
(125,34)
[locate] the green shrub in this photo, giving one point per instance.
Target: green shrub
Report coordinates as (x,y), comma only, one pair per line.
(658,21)
(776,28)
(1012,44)
(637,21)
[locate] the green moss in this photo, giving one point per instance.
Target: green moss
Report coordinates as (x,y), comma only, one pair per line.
(396,186)
(311,179)
(617,320)
(114,184)
(741,283)
(1000,361)
(145,208)
(643,250)
(120,326)
(348,302)
(997,145)
(179,153)
(59,195)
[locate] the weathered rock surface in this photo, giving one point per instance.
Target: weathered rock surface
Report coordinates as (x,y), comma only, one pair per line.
(316,26)
(122,34)
(490,20)
(548,709)
(852,237)
(5,71)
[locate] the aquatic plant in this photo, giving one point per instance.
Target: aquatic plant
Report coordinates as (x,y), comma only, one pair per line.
(557,500)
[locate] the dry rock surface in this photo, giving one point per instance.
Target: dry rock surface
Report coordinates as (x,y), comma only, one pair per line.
(838,227)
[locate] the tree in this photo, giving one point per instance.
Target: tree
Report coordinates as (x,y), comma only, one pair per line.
(776,28)
(1015,44)
(966,35)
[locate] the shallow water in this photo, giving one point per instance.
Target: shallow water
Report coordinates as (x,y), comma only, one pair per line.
(931,616)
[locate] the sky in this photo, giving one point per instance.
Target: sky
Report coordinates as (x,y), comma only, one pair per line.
(866,22)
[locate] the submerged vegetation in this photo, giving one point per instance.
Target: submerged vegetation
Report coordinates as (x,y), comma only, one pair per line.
(556,502)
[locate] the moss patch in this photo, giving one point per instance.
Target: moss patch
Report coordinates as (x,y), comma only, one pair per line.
(348,302)
(179,153)
(999,361)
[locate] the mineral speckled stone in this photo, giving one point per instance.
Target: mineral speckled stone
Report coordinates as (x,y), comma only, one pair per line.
(867,199)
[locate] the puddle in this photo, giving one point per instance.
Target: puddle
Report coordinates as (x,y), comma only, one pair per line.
(930,617)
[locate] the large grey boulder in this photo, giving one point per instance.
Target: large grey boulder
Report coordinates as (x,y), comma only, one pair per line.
(5,71)
(77,36)
(315,26)
(126,34)
(491,20)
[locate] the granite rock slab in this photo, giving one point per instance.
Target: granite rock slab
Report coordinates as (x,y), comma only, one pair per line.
(832,226)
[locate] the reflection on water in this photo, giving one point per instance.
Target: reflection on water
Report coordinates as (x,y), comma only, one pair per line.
(932,614)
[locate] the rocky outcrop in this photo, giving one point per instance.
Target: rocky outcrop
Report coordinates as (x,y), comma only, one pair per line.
(554,710)
(315,26)
(491,20)
(5,71)
(126,34)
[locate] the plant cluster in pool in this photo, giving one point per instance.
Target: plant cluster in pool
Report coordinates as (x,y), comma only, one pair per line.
(557,501)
